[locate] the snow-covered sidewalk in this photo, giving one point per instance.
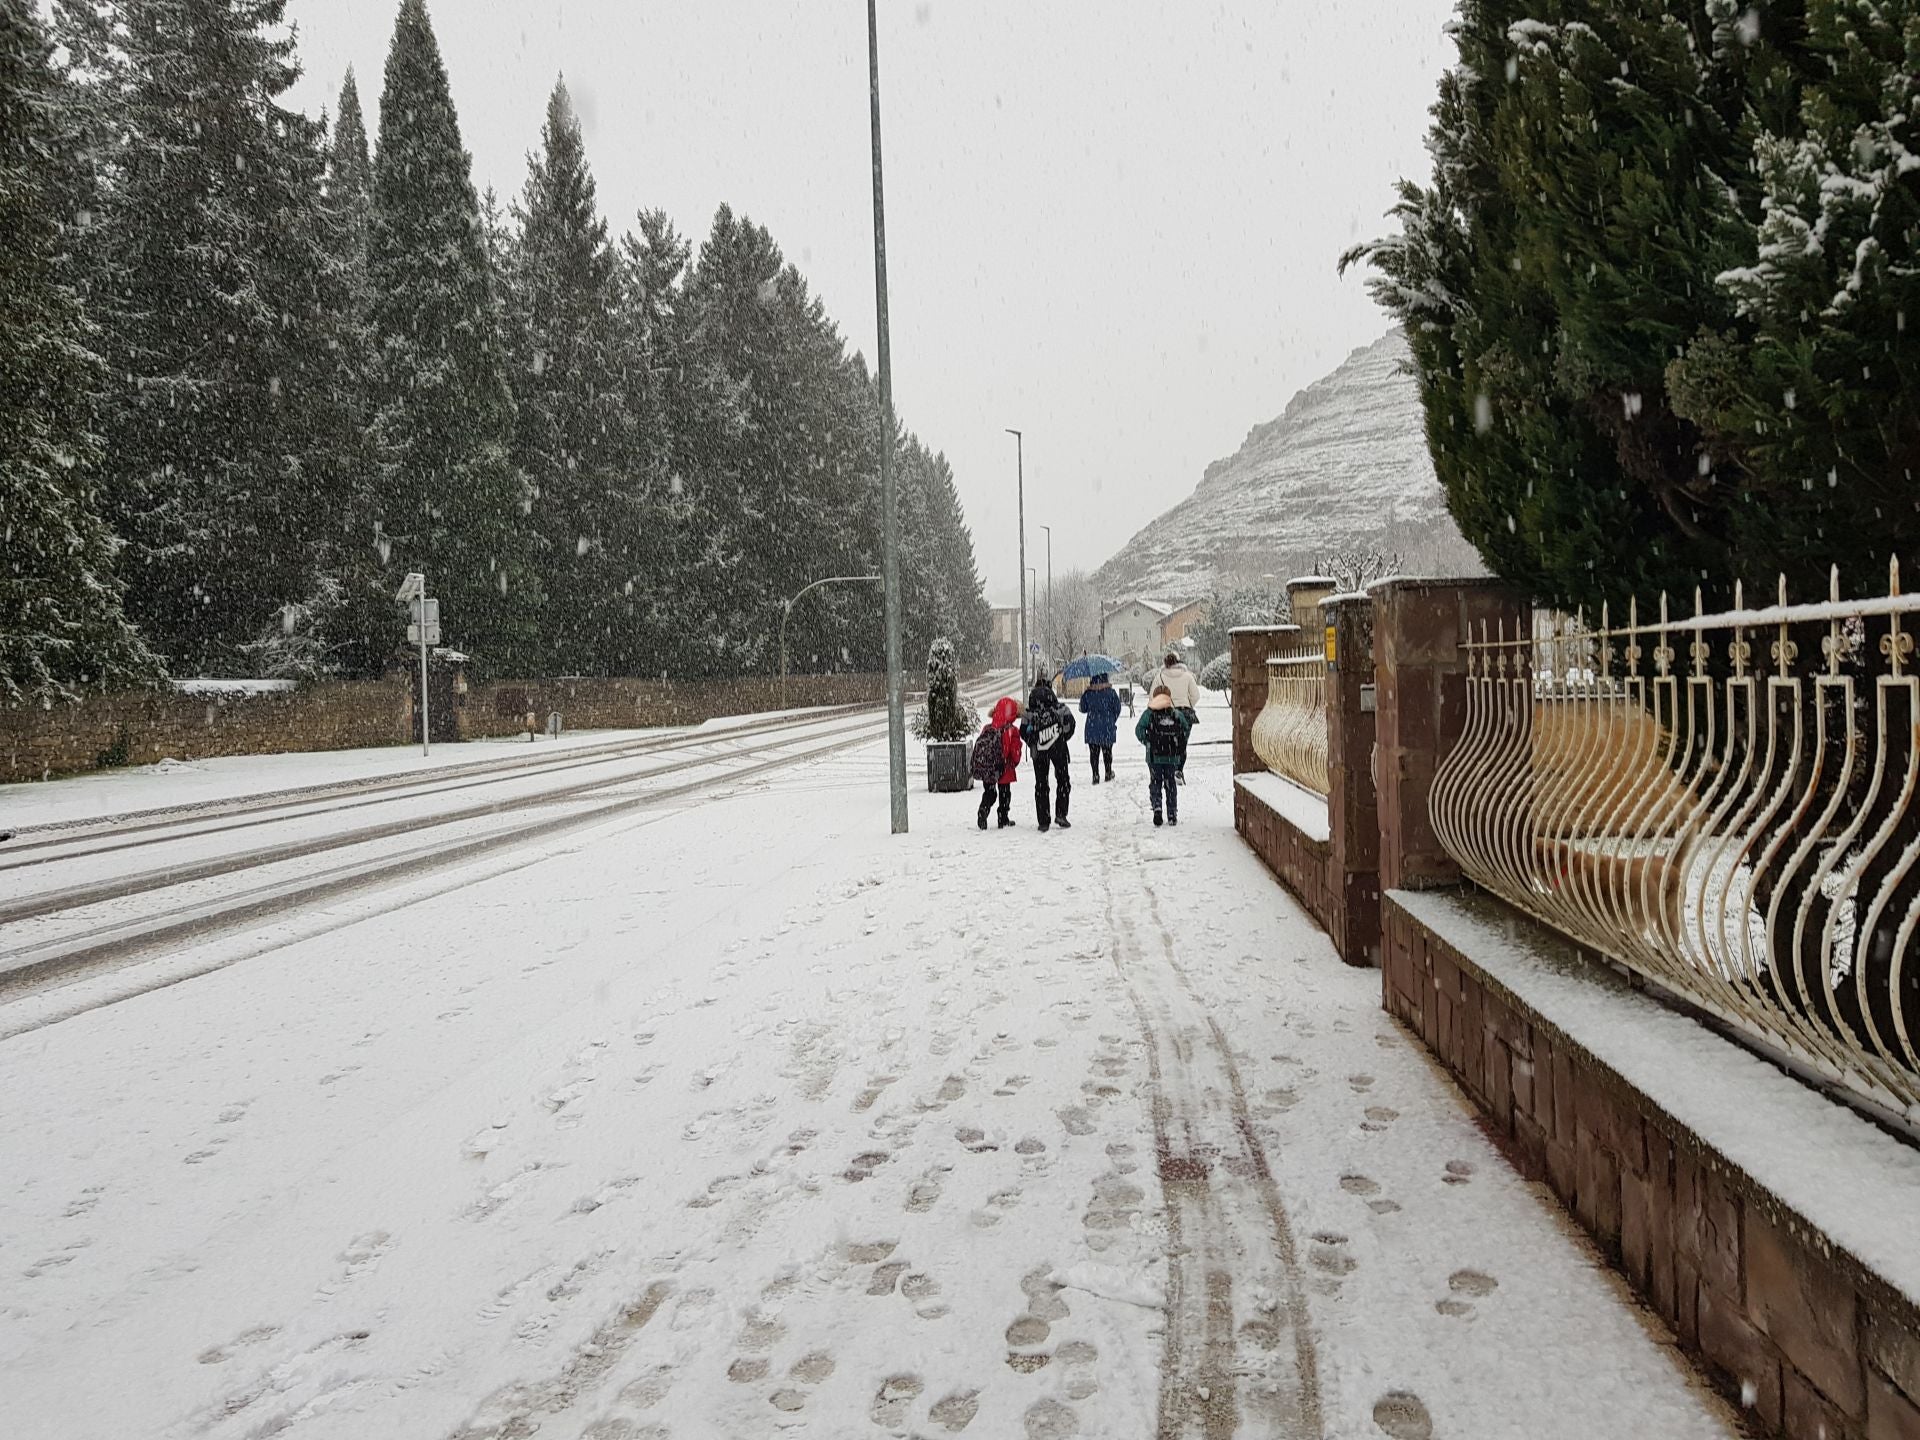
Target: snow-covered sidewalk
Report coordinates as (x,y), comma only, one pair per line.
(748,1119)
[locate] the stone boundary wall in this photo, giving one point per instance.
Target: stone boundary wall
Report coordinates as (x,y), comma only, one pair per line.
(500,708)
(141,727)
(1814,1343)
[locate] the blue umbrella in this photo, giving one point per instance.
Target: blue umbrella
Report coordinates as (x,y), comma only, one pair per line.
(1087,666)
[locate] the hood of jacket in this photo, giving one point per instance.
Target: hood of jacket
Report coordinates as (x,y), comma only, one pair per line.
(1160,702)
(1041,698)
(1099,682)
(1006,710)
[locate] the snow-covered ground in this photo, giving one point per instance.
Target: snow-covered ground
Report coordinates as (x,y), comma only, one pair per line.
(744,1118)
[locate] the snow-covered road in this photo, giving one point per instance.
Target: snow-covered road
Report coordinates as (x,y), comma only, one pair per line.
(743,1118)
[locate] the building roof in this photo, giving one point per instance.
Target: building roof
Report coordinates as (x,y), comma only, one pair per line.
(1158,607)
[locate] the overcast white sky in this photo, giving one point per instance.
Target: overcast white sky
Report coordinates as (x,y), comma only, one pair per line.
(1111,223)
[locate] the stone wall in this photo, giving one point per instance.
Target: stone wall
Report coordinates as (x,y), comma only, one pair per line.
(138,728)
(501,708)
(1812,1341)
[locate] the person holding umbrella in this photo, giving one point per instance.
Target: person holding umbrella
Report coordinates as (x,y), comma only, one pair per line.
(1100,703)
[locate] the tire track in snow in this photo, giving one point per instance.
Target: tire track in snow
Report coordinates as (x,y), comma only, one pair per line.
(1236,1303)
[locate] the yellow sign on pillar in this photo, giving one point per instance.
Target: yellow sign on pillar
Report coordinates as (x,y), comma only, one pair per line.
(1332,646)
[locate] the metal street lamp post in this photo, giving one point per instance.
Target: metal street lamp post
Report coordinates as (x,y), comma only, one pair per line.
(1020,477)
(1047,637)
(787,610)
(889,511)
(1038,640)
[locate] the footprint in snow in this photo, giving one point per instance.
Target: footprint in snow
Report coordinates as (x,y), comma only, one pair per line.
(812,1368)
(885,1277)
(1050,1420)
(956,1411)
(1459,1172)
(894,1400)
(1401,1415)
(1379,1117)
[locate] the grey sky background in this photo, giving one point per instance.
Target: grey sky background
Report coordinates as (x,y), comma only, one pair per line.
(1111,223)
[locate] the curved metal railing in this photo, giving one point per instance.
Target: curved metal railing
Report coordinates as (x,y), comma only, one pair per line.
(1290,734)
(1748,838)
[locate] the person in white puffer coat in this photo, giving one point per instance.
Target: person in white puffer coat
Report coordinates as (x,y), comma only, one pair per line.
(1184,686)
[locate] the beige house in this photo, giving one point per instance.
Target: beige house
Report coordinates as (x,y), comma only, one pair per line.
(1173,629)
(1130,631)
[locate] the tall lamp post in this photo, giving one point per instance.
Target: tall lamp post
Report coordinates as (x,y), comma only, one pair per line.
(1020,479)
(1038,640)
(1047,637)
(889,512)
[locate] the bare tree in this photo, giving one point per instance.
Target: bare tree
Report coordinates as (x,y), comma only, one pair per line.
(1356,569)
(1070,626)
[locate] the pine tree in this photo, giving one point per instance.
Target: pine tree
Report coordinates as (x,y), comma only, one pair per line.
(784,481)
(62,627)
(349,623)
(452,503)
(576,439)
(211,262)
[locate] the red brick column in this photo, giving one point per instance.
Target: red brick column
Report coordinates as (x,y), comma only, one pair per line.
(1420,678)
(1252,644)
(1353,812)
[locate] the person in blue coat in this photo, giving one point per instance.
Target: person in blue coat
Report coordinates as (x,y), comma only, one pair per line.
(1101,705)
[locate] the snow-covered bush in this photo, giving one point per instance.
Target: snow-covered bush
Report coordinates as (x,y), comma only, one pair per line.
(1218,673)
(948,715)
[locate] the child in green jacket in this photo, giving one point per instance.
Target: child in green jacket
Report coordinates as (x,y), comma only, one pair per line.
(1163,730)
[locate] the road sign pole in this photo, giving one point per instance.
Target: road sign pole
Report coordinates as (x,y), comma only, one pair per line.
(421,609)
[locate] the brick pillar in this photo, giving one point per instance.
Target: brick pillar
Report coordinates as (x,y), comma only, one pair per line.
(1353,812)
(1420,675)
(1252,644)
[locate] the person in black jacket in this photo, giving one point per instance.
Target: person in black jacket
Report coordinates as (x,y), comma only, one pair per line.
(1047,728)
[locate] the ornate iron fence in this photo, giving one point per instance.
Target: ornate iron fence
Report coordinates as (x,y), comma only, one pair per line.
(1290,735)
(1743,833)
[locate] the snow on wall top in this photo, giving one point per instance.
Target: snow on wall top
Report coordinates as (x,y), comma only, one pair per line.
(1345,466)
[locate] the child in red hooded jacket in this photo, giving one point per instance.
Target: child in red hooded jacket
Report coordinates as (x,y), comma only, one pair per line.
(1005,723)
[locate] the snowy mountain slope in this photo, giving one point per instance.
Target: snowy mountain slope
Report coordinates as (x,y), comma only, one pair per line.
(1344,467)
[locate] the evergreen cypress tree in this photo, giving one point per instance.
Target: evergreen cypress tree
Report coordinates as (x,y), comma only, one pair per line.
(349,624)
(576,440)
(1813,393)
(211,257)
(62,627)
(451,502)
(1589,281)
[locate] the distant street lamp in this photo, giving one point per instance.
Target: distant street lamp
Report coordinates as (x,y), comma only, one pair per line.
(1038,640)
(787,610)
(1020,477)
(1047,629)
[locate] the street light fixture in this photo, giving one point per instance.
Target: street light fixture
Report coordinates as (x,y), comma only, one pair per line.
(1020,476)
(787,610)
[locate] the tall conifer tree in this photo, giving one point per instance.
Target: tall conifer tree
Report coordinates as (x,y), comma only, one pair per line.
(452,503)
(576,441)
(62,627)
